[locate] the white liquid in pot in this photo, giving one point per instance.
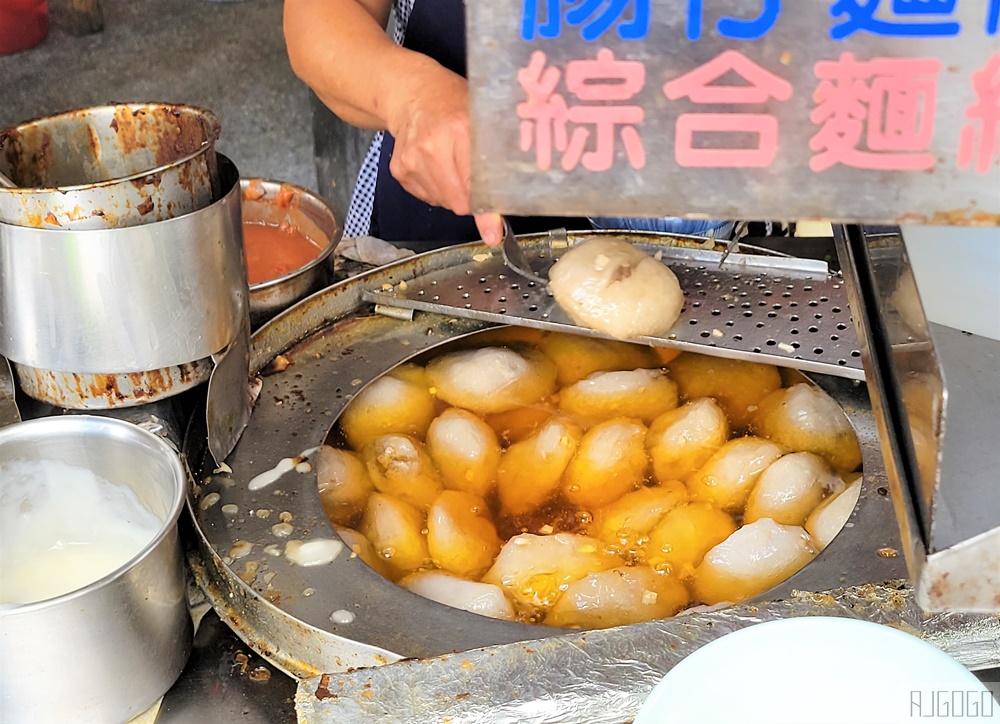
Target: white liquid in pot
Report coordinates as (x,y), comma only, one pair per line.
(62,527)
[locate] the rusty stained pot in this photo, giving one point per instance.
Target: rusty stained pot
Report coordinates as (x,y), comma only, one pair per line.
(109,166)
(79,391)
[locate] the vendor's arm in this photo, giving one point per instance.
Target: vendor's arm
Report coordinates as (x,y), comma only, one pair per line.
(340,49)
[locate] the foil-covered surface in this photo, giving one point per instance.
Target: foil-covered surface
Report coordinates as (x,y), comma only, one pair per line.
(602,677)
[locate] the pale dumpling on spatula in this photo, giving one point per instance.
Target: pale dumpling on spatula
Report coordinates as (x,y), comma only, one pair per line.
(616,288)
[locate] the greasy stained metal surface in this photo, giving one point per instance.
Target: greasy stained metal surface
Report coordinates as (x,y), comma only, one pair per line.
(509,125)
(964,577)
(109,166)
(331,346)
(603,677)
(80,391)
(780,311)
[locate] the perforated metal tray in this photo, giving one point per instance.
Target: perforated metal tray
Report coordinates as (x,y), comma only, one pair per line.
(775,309)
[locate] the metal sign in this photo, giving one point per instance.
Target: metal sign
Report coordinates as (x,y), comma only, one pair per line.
(852,110)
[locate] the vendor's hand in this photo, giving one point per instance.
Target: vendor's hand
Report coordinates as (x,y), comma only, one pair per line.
(432,157)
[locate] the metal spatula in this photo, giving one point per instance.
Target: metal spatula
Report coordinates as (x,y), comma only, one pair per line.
(515,258)
(8,404)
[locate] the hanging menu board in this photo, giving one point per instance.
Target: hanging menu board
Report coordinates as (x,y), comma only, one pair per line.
(854,110)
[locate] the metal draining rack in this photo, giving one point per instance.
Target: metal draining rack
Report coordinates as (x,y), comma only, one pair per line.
(764,308)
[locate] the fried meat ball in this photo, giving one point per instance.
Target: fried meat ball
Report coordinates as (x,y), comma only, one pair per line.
(394,403)
(645,394)
(804,418)
(578,357)
(625,523)
(482,598)
(465,450)
(830,516)
(535,569)
(753,559)
(493,379)
(616,288)
(681,441)
(344,485)
(730,474)
(617,597)
(790,488)
(680,540)
(737,386)
(399,465)
(461,537)
(395,529)
(610,462)
(531,471)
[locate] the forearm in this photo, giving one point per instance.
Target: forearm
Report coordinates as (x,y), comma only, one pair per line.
(339,48)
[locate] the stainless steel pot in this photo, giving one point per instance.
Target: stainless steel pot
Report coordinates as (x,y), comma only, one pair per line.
(111,301)
(277,202)
(105,652)
(109,167)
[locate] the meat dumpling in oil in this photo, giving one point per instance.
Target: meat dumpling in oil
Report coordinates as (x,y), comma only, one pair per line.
(514,425)
(531,471)
(534,570)
(790,488)
(484,599)
(395,529)
(363,549)
(461,537)
(737,386)
(681,441)
(617,597)
(624,524)
(492,379)
(730,474)
(753,559)
(679,541)
(645,394)
(465,450)
(578,357)
(804,418)
(399,465)
(610,462)
(830,516)
(394,403)
(344,485)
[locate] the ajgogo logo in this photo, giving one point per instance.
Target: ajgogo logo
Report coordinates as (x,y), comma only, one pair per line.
(951,704)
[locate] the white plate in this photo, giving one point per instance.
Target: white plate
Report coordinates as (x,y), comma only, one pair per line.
(818,669)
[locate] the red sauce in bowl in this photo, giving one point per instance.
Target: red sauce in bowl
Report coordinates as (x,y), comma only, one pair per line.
(273,251)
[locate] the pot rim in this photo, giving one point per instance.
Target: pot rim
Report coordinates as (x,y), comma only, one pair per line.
(325,252)
(213,127)
(119,429)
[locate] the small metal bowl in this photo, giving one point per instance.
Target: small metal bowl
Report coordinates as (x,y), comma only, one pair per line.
(107,651)
(276,202)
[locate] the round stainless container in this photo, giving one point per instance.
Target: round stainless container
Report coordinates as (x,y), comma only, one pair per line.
(110,166)
(140,298)
(105,652)
(277,202)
